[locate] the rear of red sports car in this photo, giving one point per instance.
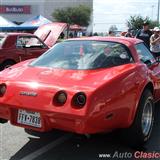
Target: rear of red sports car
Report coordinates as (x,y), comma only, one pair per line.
(83,86)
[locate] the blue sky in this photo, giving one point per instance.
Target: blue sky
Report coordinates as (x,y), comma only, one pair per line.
(116,12)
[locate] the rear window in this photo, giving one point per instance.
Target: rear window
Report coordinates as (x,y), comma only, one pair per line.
(81,55)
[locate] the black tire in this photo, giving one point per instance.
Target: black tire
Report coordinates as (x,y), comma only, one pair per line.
(7,64)
(138,134)
(3,120)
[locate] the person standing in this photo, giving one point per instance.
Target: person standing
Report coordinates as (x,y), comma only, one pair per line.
(155,42)
(145,34)
(129,33)
(111,34)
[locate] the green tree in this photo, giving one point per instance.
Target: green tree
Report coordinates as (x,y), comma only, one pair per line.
(113,28)
(153,24)
(73,15)
(136,22)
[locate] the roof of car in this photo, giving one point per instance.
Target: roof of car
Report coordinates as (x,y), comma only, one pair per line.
(115,39)
(14,33)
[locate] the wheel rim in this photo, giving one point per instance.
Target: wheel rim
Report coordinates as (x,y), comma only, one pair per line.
(147,117)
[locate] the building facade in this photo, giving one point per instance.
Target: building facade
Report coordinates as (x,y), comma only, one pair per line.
(22,10)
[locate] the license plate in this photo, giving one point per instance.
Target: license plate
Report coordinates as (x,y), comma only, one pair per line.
(29,118)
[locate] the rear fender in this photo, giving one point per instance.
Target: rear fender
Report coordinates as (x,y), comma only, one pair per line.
(146,85)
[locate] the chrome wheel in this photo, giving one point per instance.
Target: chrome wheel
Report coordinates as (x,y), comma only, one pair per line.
(147,117)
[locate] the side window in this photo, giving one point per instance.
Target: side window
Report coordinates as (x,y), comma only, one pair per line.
(20,42)
(29,42)
(144,54)
(115,54)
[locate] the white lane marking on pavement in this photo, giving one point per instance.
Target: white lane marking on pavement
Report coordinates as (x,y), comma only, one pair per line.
(44,149)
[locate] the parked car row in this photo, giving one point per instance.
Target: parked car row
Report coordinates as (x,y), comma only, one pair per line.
(86,86)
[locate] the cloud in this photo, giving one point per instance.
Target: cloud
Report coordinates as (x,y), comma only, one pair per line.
(108,12)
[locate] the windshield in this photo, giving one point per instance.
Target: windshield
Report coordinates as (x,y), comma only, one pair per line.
(81,55)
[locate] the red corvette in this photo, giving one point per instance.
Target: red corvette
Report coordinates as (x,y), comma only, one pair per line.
(86,86)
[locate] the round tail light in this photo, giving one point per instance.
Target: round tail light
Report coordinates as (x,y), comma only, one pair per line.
(79,99)
(60,98)
(2,89)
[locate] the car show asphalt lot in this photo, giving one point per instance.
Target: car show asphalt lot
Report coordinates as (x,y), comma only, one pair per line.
(16,144)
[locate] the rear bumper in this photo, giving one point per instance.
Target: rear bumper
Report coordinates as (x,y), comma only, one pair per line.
(72,122)
(49,120)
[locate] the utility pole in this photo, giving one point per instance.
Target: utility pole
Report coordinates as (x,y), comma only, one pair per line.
(158,11)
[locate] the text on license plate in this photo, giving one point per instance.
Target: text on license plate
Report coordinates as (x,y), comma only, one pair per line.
(29,118)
